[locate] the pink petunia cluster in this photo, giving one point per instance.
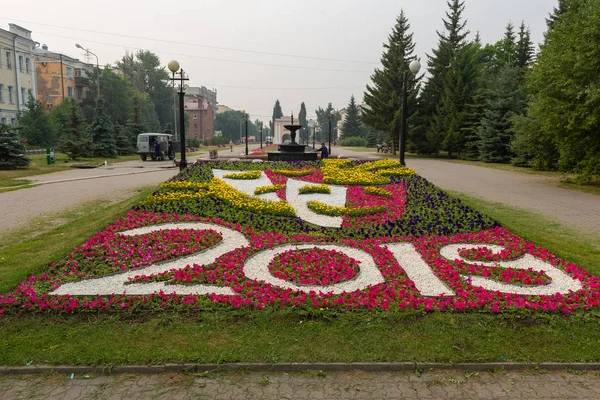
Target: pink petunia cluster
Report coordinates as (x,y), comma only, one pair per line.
(314,267)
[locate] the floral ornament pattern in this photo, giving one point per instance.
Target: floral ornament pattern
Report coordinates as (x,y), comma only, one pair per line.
(204,241)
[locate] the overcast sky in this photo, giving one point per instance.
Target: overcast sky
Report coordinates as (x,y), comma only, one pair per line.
(202,34)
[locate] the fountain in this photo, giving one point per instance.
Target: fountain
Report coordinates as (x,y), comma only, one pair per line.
(292,151)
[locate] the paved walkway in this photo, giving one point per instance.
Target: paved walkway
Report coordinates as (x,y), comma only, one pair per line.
(308,385)
(577,210)
(112,183)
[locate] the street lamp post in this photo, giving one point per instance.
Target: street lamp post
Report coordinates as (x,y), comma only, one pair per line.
(246,123)
(414,68)
(244,116)
(331,114)
(174,68)
(261,135)
(97,64)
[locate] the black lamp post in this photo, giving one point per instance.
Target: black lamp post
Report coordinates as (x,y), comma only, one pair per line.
(414,68)
(179,75)
(261,135)
(246,123)
(331,114)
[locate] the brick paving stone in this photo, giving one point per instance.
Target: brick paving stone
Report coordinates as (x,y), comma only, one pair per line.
(307,385)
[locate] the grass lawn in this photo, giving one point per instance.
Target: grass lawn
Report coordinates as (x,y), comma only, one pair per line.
(291,335)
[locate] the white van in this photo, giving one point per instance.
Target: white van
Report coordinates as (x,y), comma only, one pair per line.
(145,146)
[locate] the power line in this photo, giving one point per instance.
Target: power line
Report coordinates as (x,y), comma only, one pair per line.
(212,58)
(195,44)
(267,88)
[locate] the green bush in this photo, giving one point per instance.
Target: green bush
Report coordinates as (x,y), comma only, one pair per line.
(353,141)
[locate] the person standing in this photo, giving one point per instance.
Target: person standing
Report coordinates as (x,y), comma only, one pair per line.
(230,145)
(324,151)
(157,149)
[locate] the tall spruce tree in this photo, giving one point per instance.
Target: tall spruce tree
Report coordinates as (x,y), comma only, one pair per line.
(506,53)
(303,139)
(382,106)
(35,126)
(440,65)
(554,17)
(277,113)
(75,141)
(122,140)
(525,48)
(495,131)
(563,104)
(351,125)
(12,152)
(101,129)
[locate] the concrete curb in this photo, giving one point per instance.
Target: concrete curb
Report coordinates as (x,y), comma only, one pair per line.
(295,367)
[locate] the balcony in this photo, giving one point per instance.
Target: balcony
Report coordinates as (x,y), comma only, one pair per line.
(82,81)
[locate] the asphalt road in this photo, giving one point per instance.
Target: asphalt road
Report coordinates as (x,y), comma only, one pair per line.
(67,189)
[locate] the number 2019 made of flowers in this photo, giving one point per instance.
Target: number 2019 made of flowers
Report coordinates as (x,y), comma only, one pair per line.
(432,273)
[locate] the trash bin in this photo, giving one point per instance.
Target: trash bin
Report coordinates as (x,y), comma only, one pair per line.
(50,155)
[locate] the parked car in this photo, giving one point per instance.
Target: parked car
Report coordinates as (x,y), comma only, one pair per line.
(145,146)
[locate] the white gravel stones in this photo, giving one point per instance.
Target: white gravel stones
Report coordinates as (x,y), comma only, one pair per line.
(257,267)
(337,197)
(426,282)
(298,201)
(116,284)
(247,186)
(561,282)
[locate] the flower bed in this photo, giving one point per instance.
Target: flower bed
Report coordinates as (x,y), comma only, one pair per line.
(230,234)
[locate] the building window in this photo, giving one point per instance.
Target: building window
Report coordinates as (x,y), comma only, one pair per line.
(13,121)
(70,91)
(195,116)
(8,59)
(11,100)
(20,63)
(22,95)
(30,92)
(28,65)
(195,126)
(69,72)
(3,121)
(77,72)
(1,93)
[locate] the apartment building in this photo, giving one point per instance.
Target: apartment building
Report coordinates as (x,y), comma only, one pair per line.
(201,105)
(60,76)
(17,72)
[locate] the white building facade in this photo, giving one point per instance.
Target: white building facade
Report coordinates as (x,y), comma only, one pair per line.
(17,72)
